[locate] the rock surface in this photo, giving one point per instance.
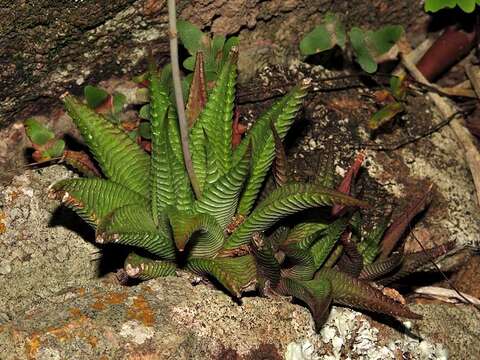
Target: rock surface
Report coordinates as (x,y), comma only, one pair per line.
(39,256)
(50,47)
(171,319)
(52,308)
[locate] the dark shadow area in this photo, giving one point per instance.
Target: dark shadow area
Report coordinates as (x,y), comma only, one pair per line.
(332,59)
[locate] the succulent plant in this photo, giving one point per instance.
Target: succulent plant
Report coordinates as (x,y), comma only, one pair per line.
(146,202)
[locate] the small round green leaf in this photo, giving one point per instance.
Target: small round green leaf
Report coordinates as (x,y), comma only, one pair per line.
(435,5)
(362,53)
(119,100)
(144,130)
(37,132)
(55,150)
(318,40)
(95,96)
(191,36)
(144,112)
(384,38)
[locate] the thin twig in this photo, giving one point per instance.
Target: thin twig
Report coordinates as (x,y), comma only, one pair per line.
(410,140)
(172,22)
(432,260)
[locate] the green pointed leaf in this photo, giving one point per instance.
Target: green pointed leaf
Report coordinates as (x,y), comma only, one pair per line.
(94,96)
(37,132)
(120,158)
(284,201)
(280,165)
(54,150)
(92,199)
(216,118)
(316,294)
(235,274)
(381,268)
(414,261)
(303,235)
(189,63)
(144,112)
(282,114)
(133,225)
(303,265)
(185,226)
(220,199)
(359,294)
(268,268)
(322,248)
(170,183)
(385,115)
(369,247)
(143,268)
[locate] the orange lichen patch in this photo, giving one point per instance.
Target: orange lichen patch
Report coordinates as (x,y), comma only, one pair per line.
(81,291)
(32,345)
(92,340)
(3,227)
(148,289)
(76,312)
(113,298)
(141,311)
(14,195)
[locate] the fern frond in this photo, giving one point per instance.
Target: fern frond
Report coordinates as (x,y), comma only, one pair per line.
(120,158)
(133,225)
(94,198)
(281,115)
(143,268)
(284,201)
(235,274)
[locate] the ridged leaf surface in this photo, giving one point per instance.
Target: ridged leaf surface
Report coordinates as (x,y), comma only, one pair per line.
(316,294)
(359,294)
(92,199)
(281,115)
(120,158)
(133,225)
(143,268)
(235,274)
(220,199)
(209,237)
(284,201)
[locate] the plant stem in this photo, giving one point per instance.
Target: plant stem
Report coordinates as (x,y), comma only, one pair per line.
(172,22)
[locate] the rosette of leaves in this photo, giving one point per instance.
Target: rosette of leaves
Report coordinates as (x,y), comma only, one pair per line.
(369,47)
(146,202)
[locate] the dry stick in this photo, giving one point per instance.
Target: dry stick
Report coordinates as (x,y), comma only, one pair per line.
(172,22)
(432,260)
(472,155)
